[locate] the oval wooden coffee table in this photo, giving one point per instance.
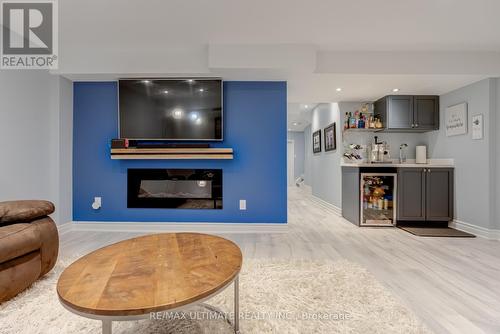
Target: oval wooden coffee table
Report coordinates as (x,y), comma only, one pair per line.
(131,279)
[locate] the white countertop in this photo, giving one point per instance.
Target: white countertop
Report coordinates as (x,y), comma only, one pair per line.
(431,163)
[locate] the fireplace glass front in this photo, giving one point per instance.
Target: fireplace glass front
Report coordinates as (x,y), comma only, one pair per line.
(175,188)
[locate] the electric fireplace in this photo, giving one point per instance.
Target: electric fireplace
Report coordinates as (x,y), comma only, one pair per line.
(174,188)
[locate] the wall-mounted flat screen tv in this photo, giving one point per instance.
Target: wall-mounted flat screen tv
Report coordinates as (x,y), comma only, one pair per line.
(171,109)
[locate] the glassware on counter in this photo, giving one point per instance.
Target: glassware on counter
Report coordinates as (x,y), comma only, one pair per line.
(402,153)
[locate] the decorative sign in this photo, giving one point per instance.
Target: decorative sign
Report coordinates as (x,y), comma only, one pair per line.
(477,127)
(456,120)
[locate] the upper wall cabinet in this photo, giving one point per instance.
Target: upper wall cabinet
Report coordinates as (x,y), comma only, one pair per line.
(409,113)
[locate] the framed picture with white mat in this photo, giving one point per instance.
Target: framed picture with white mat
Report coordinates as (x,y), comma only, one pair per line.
(456,120)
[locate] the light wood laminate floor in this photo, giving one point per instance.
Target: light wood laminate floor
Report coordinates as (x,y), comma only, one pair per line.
(452,284)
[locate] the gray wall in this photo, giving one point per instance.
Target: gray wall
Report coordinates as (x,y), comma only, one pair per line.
(26,134)
(496,170)
(322,170)
(308,156)
(35,136)
(63,115)
(474,159)
(299,151)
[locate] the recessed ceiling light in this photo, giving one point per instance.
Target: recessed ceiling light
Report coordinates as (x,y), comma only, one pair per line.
(190,80)
(395,90)
(194,116)
(146,81)
(177,113)
(201,90)
(306,106)
(339,89)
(165,91)
(295,123)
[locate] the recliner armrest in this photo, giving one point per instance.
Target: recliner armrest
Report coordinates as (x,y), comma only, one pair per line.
(24,211)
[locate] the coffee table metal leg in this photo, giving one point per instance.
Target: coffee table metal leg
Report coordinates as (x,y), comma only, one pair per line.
(107,321)
(106,327)
(237,304)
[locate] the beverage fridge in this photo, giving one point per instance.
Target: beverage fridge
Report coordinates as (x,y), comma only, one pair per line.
(378,199)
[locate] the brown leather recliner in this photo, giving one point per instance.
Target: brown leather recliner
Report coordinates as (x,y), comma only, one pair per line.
(29,244)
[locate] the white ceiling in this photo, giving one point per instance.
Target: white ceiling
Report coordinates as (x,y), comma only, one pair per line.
(299,115)
(385,25)
(365,47)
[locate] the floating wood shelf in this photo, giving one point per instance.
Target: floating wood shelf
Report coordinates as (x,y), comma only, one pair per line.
(363,130)
(171,153)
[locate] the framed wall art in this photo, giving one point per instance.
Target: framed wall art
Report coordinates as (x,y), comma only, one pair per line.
(316,141)
(477,127)
(456,120)
(330,133)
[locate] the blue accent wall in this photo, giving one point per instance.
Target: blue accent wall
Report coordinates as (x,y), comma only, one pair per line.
(254,126)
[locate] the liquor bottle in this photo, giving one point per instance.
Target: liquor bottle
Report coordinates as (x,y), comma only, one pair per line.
(352,121)
(361,123)
(372,122)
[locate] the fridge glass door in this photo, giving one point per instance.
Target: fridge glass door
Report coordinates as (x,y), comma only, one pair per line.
(378,199)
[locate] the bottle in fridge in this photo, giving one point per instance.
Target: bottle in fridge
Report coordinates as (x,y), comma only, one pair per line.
(378,191)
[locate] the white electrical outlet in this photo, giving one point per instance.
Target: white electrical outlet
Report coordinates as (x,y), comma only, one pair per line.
(243,204)
(97,203)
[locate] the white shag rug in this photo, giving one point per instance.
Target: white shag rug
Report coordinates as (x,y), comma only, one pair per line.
(275,297)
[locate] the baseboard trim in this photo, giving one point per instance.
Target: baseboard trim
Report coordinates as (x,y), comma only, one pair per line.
(63,228)
(479,231)
(219,228)
(306,188)
(327,205)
